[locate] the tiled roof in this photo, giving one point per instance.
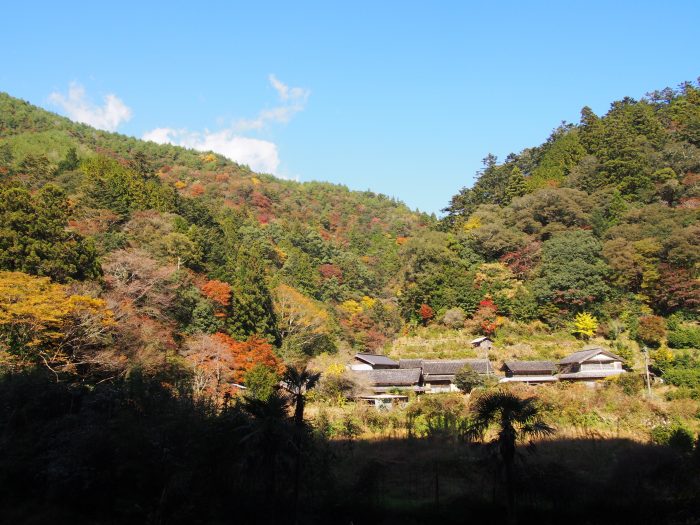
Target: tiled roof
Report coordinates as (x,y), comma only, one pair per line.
(376,360)
(586,354)
(451,367)
(530,366)
(530,379)
(410,363)
(392,376)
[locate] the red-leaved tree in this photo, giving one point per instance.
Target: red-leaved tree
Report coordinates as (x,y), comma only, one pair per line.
(426,313)
(486,317)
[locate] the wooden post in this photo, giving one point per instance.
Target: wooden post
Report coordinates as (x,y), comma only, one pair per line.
(646,369)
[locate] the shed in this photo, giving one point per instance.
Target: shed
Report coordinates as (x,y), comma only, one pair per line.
(484,342)
(384,401)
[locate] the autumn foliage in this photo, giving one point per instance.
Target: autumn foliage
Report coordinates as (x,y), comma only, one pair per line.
(217,291)
(426,313)
(42,323)
(486,317)
(247,354)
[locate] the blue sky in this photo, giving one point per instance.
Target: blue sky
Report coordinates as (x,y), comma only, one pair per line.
(403,98)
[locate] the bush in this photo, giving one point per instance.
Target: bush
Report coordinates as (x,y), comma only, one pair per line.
(675,436)
(261,382)
(684,337)
(454,318)
(467,379)
(630,384)
(683,377)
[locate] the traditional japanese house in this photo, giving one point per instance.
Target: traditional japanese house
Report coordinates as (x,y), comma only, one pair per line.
(439,375)
(590,364)
(530,372)
(381,381)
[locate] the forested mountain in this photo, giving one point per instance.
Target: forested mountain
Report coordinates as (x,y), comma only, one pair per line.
(179,245)
(601,219)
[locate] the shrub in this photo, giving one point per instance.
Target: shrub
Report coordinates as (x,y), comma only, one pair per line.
(261,381)
(467,379)
(673,435)
(684,337)
(454,318)
(683,377)
(631,384)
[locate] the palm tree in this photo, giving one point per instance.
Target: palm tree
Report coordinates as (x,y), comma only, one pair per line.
(267,435)
(297,382)
(518,419)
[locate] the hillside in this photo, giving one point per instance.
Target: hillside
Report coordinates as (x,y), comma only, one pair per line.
(182,244)
(599,224)
(594,233)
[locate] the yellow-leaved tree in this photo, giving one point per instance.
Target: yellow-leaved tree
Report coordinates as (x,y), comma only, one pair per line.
(585,325)
(301,321)
(41,323)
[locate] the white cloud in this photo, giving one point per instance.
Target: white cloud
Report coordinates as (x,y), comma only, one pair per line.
(161,135)
(260,155)
(78,107)
(293,101)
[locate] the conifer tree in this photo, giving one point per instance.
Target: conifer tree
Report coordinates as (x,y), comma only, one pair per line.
(516,185)
(251,309)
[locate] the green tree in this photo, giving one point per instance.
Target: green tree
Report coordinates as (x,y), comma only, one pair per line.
(251,311)
(467,379)
(34,237)
(261,382)
(562,152)
(70,162)
(489,188)
(572,274)
(516,185)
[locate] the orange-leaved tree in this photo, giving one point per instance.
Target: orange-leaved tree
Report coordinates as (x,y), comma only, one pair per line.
(218,291)
(218,361)
(426,313)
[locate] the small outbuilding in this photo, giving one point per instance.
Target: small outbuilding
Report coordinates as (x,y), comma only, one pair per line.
(384,401)
(483,342)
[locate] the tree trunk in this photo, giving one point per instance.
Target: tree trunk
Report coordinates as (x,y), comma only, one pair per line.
(298,429)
